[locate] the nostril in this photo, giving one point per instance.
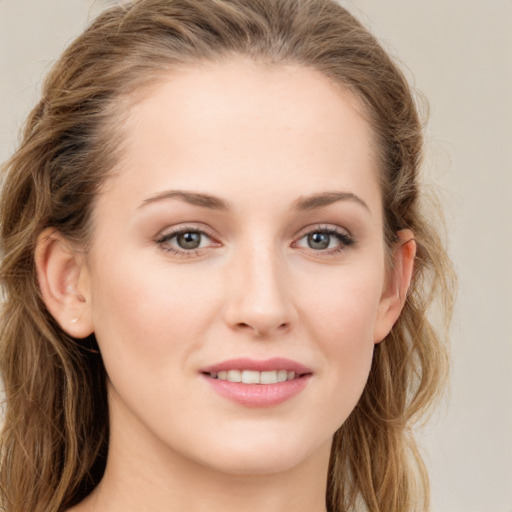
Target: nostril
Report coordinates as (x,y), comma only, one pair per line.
(282,327)
(262,330)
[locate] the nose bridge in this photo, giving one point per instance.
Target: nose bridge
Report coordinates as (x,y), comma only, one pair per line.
(259,301)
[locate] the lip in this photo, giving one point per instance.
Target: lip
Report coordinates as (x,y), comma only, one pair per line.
(258,395)
(275,363)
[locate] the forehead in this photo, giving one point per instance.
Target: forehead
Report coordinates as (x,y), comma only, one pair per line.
(216,125)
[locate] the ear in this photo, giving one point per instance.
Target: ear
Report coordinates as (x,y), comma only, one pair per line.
(395,290)
(64,283)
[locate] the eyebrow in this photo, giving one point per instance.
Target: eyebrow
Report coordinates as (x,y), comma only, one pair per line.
(195,198)
(327,198)
(215,203)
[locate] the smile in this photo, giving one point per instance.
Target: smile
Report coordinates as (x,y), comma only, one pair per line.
(256,383)
(254,377)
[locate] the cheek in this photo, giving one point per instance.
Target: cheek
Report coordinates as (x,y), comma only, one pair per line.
(343,307)
(143,312)
(149,325)
(342,323)
(347,339)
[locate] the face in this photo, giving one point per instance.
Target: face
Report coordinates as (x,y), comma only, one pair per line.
(241,239)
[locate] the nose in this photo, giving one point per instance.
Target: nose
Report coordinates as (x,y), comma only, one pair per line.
(259,301)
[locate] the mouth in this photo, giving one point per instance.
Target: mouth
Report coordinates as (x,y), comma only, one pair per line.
(255,383)
(254,376)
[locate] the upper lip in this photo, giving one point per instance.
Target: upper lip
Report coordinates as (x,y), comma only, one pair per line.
(243,363)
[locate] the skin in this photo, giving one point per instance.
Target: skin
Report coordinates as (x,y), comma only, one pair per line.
(262,140)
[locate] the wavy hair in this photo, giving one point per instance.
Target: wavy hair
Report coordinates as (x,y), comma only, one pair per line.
(54,443)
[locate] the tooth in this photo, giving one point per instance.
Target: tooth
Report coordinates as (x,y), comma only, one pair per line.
(250,377)
(268,377)
(282,375)
(254,377)
(234,376)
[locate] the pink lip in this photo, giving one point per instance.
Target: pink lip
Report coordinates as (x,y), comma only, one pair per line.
(276,363)
(258,395)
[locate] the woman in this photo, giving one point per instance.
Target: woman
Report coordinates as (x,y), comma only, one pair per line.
(215,269)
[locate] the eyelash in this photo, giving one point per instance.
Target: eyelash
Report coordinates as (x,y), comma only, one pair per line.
(344,238)
(163,241)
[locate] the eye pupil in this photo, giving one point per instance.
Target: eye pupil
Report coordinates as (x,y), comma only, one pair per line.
(189,240)
(319,240)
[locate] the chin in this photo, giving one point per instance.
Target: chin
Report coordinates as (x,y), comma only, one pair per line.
(261,454)
(257,464)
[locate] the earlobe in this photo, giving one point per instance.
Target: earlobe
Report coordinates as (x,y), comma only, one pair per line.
(394,294)
(63,282)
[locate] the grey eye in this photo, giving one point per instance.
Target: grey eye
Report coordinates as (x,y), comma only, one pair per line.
(325,240)
(189,240)
(319,241)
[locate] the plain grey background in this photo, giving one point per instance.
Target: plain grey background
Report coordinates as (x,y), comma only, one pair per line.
(458,53)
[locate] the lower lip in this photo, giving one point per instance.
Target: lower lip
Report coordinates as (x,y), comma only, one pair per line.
(259,395)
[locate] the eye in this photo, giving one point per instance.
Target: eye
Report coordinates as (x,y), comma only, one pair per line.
(319,241)
(189,240)
(329,240)
(185,241)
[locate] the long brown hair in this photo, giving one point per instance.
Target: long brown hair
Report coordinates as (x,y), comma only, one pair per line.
(55,437)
